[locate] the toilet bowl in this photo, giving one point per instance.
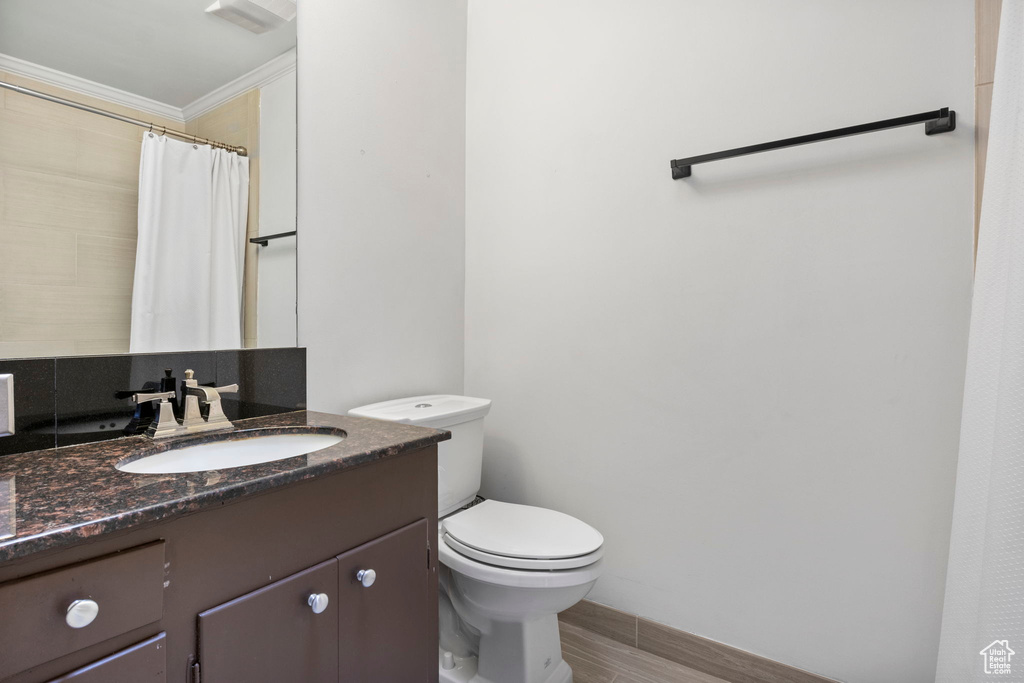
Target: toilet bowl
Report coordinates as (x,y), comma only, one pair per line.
(507,570)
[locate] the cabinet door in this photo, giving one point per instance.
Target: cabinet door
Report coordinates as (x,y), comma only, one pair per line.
(273,634)
(383,627)
(144,662)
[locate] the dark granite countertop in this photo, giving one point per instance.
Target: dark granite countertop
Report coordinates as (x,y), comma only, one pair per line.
(60,497)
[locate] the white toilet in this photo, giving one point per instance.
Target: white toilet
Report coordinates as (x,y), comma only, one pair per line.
(506,569)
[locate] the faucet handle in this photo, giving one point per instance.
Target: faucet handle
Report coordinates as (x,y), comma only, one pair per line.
(130,393)
(165,423)
(228,389)
(159,396)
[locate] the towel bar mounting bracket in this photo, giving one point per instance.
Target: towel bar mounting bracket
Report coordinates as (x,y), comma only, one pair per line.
(943,124)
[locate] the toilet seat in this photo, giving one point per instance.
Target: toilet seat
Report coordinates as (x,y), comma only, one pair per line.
(522,537)
(522,562)
(516,578)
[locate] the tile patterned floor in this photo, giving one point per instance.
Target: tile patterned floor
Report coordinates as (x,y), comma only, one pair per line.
(597,659)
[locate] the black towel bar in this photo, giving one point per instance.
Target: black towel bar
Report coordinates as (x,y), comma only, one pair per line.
(264,240)
(935,122)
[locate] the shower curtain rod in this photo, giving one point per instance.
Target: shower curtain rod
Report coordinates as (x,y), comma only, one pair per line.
(153,127)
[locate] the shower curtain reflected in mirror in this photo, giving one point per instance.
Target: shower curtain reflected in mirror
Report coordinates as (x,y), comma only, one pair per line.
(193,206)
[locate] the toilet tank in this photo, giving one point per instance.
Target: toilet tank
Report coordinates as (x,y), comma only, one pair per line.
(460,459)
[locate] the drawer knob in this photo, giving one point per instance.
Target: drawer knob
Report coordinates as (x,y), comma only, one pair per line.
(318,601)
(366,577)
(81,613)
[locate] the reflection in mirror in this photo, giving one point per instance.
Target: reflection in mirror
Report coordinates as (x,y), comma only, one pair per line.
(144,146)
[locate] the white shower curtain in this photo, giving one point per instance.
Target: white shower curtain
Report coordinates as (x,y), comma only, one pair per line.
(983,616)
(193,205)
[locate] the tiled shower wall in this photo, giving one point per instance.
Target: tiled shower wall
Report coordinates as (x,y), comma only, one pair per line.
(68,218)
(65,401)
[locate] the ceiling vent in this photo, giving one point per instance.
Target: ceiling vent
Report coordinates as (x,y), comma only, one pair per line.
(258,16)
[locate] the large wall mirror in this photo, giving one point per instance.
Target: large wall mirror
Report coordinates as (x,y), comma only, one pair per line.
(116,237)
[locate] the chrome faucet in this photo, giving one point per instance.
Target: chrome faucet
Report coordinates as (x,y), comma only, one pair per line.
(164,421)
(195,396)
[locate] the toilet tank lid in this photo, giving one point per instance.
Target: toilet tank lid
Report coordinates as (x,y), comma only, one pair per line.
(434,410)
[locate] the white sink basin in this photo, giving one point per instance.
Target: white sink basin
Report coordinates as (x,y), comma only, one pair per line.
(221,455)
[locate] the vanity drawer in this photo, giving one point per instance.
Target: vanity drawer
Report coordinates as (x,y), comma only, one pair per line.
(127,587)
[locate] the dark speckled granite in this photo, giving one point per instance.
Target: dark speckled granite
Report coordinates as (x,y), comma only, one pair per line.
(63,497)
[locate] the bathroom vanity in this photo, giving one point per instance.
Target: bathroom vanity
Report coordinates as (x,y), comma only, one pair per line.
(320,567)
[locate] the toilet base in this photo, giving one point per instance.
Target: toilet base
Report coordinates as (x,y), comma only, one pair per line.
(465,671)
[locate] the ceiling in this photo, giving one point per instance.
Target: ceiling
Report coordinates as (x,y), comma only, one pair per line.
(170,51)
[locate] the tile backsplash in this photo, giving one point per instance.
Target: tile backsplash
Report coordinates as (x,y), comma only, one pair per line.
(66,401)
(34,401)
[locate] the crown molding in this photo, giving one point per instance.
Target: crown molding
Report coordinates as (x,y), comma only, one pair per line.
(44,74)
(258,77)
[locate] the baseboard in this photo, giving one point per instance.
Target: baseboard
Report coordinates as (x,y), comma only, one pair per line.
(708,656)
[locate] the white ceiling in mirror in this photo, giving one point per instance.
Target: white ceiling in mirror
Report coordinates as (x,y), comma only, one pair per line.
(171,51)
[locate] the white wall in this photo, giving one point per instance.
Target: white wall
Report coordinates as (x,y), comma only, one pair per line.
(275,300)
(749,381)
(381,100)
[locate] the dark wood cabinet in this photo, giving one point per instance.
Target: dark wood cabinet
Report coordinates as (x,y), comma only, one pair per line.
(144,662)
(274,634)
(384,626)
(230,588)
(372,625)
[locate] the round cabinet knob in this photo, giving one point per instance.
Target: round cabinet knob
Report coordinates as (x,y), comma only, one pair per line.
(318,601)
(366,577)
(81,613)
